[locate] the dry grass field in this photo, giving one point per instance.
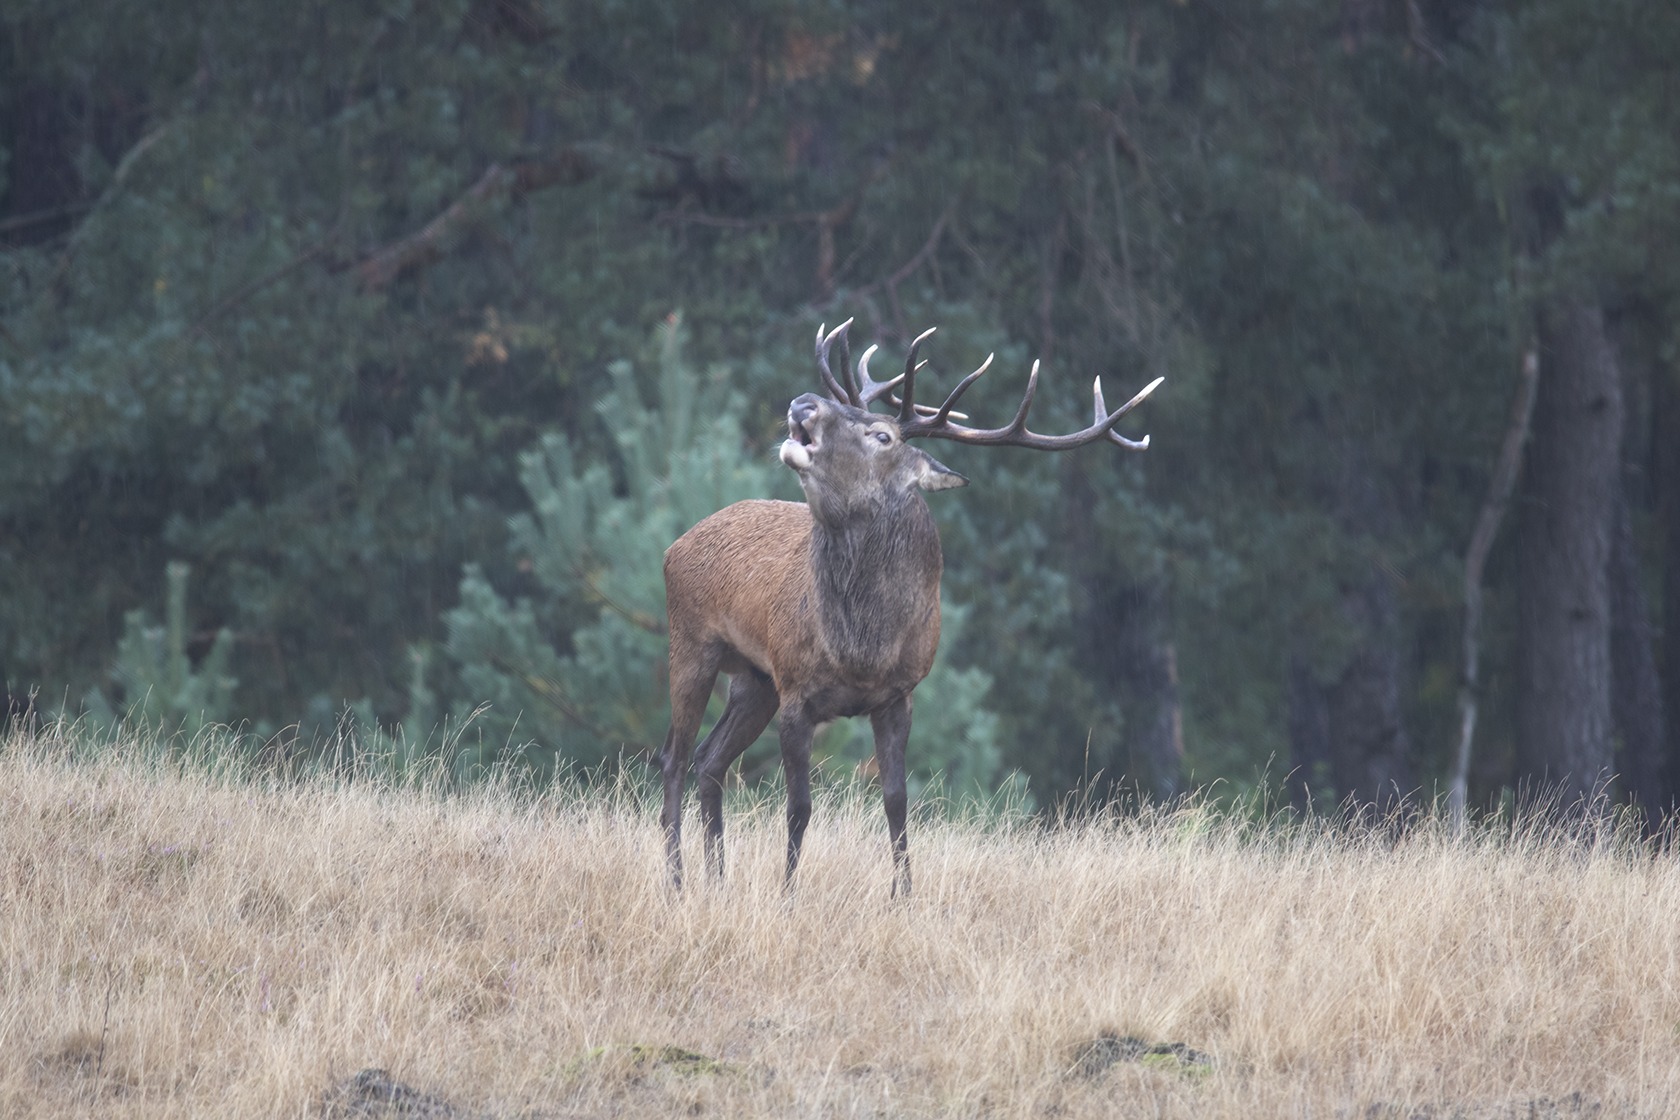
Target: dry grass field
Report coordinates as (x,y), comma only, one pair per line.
(172,944)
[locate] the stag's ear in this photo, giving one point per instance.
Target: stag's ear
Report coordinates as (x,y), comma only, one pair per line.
(931,474)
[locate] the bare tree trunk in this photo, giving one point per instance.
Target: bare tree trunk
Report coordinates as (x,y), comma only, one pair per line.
(1667,403)
(1145,674)
(1636,691)
(1370,751)
(1131,661)
(1351,729)
(1504,480)
(1125,641)
(1573,473)
(1309,734)
(1369,748)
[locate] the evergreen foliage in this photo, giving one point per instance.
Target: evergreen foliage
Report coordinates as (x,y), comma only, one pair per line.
(331,303)
(158,689)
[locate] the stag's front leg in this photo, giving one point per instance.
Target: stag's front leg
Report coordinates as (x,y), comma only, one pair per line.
(796,732)
(892,733)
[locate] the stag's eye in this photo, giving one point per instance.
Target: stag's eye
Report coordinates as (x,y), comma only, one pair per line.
(882,438)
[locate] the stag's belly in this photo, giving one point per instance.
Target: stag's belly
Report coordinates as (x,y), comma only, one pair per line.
(839,700)
(861,684)
(823,688)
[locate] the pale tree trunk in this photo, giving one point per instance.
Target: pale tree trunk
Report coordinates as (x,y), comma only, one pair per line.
(1504,480)
(1564,719)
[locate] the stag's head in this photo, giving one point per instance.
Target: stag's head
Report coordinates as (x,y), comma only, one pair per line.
(850,459)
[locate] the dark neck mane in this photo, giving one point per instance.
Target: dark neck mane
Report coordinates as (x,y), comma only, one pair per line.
(876,576)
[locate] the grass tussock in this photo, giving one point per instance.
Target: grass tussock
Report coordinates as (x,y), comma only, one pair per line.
(173,943)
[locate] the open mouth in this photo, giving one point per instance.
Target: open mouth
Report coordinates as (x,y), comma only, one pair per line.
(800,448)
(801,443)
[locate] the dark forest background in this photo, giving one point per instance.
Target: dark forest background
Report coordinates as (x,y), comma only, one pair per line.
(358,361)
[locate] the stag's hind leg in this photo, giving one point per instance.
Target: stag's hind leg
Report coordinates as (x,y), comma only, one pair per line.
(752,703)
(892,733)
(796,732)
(694,669)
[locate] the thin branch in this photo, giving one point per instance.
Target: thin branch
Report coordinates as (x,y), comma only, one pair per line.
(1047,288)
(251,288)
(719,221)
(1118,202)
(124,167)
(921,256)
(1117,133)
(968,247)
(909,267)
(841,214)
(1419,34)
(641,620)
(41,217)
(829,221)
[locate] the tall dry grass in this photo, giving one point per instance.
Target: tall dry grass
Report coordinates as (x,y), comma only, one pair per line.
(176,944)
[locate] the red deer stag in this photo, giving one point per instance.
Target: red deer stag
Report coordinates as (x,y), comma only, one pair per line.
(828,608)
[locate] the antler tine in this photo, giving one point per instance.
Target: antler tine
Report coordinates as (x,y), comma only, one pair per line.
(1104,416)
(851,396)
(907,406)
(922,409)
(944,412)
(825,343)
(1019,424)
(870,390)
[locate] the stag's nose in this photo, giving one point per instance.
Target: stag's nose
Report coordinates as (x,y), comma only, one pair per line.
(803,408)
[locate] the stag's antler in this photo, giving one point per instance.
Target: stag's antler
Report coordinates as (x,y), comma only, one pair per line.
(918,420)
(1015,433)
(862,390)
(846,394)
